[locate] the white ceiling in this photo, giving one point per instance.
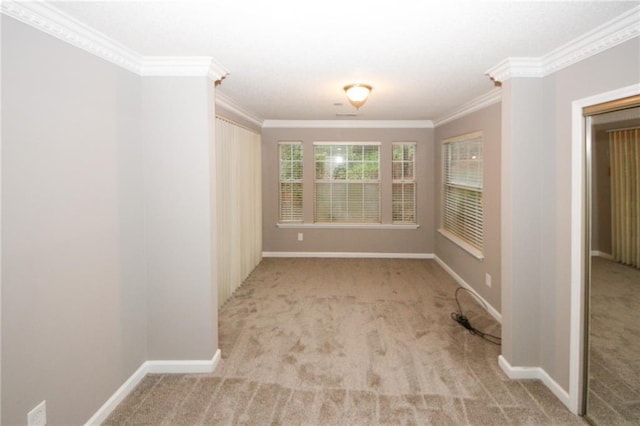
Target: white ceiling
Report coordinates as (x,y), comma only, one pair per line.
(289,59)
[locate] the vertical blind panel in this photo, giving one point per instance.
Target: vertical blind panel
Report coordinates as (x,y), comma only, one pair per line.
(291,175)
(347,187)
(625,195)
(238,205)
(403,190)
(462,168)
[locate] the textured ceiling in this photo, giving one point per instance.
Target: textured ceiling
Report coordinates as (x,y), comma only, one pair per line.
(290,59)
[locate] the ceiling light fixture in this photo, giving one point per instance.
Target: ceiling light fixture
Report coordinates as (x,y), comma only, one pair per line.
(357,94)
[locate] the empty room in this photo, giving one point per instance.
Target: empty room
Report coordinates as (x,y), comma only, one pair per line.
(330,213)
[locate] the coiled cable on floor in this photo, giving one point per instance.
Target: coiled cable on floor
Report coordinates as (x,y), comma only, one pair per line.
(461,319)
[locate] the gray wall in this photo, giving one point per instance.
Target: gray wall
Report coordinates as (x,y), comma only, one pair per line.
(349,240)
(536,119)
(177,123)
(73,275)
(464,264)
(107,210)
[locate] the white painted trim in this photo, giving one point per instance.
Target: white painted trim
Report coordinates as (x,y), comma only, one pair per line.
(187,66)
(515,67)
(578,226)
(184,367)
(348,124)
(49,19)
(462,244)
(119,395)
(151,367)
(330,254)
(492,311)
(492,97)
(346,226)
(608,35)
(229,104)
(517,373)
(598,253)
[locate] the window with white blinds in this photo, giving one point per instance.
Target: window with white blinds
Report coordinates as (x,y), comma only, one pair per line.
(403,192)
(290,181)
(462,167)
(347,182)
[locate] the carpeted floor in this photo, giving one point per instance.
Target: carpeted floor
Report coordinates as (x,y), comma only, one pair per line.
(347,342)
(614,367)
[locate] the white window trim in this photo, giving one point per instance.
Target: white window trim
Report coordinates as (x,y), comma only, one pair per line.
(348,226)
(462,244)
(475,252)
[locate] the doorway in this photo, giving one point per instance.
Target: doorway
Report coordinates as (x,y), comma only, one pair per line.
(619,99)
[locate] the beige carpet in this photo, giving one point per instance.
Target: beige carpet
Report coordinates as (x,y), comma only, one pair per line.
(614,368)
(347,341)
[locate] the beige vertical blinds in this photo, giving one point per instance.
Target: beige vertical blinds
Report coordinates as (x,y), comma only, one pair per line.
(624,148)
(239,205)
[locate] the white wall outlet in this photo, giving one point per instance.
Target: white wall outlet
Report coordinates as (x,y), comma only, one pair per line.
(38,416)
(487,280)
(300,236)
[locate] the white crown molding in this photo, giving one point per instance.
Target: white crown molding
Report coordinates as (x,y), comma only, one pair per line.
(516,67)
(230,105)
(349,124)
(47,18)
(216,72)
(188,66)
(610,34)
(492,97)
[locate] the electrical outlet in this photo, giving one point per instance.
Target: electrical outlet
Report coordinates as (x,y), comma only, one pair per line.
(300,236)
(487,280)
(38,416)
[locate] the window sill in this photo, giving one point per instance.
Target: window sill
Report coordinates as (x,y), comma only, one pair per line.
(462,244)
(346,226)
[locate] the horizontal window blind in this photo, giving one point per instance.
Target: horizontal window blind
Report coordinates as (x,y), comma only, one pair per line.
(291,175)
(462,167)
(403,191)
(347,182)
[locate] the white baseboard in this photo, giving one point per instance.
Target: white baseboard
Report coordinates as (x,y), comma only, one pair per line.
(151,367)
(347,254)
(492,311)
(174,367)
(535,373)
(601,254)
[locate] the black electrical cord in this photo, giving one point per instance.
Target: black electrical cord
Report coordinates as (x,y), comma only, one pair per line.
(461,319)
